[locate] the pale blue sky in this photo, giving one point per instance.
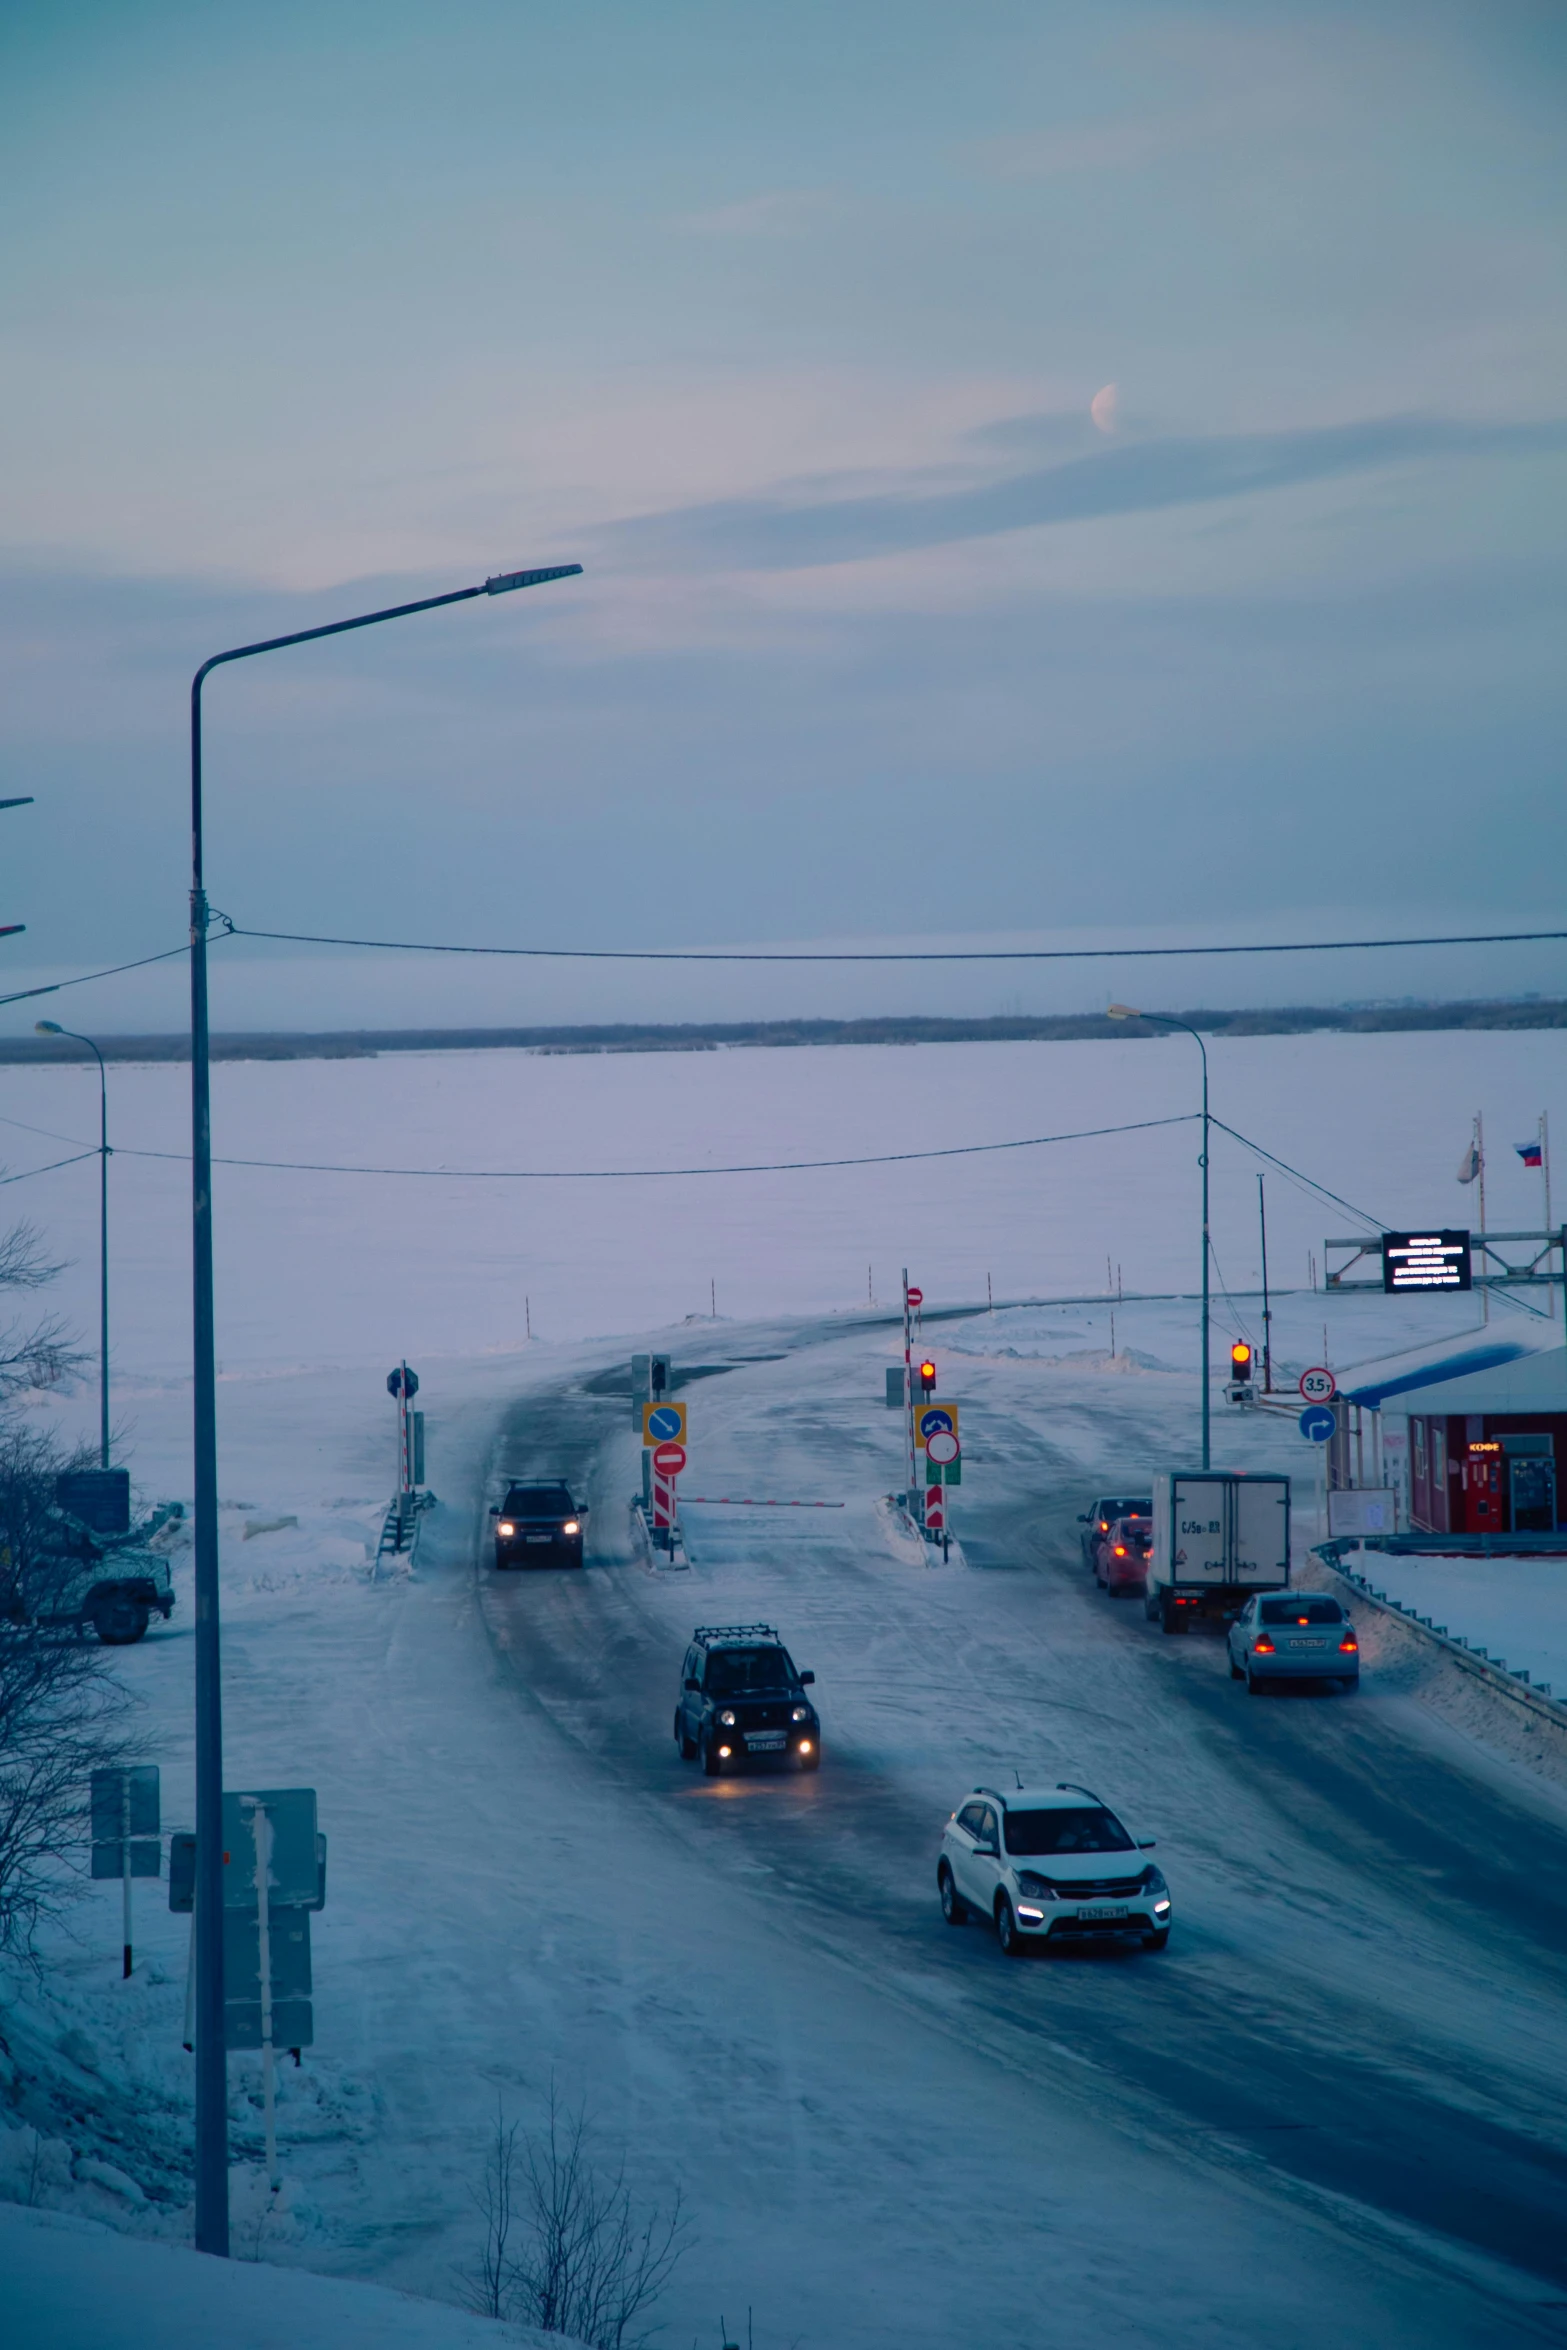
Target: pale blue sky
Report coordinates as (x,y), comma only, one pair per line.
(786,322)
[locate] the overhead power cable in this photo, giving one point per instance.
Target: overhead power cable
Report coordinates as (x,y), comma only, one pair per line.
(28,1172)
(1296,946)
(1375,1222)
(960,1150)
(81,979)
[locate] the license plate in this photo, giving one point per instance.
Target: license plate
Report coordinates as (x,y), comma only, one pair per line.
(1308,1644)
(765,1745)
(538,1538)
(1098,1916)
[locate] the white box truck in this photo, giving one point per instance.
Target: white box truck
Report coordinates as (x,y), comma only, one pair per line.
(1218,1536)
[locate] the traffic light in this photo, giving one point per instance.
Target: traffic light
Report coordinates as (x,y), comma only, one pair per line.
(927,1378)
(1240,1361)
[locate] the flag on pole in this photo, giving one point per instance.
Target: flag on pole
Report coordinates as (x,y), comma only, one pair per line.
(1469,1164)
(1529,1152)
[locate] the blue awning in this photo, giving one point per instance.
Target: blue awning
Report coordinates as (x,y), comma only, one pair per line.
(1461,1364)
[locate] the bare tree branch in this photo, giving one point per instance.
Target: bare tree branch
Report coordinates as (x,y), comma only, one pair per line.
(589,2263)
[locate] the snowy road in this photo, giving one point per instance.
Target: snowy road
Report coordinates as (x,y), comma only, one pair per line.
(1359,2005)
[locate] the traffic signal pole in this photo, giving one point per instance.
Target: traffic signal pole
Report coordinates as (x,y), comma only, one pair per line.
(908,1379)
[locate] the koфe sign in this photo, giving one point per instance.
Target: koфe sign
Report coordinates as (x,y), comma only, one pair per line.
(1426,1260)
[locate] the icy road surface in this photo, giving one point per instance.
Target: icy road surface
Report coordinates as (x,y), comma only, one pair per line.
(1359,2002)
(1339,2100)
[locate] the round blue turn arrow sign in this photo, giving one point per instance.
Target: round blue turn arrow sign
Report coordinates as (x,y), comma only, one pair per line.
(665,1425)
(1317,1423)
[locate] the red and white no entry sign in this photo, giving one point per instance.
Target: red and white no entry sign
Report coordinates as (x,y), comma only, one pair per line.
(669,1459)
(942,1447)
(916,1297)
(1318,1385)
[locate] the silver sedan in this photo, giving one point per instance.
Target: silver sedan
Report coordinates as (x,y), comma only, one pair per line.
(1293,1636)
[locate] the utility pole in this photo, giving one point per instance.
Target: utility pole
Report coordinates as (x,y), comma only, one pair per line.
(53,1028)
(1168,1020)
(1267,1317)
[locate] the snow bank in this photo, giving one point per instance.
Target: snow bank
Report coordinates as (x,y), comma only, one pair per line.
(63,2276)
(1514,1608)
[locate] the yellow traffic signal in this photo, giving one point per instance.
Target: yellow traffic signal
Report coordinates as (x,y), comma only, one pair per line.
(927,1378)
(1240,1360)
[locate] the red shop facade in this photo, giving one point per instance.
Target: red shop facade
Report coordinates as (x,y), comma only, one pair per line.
(1487,1472)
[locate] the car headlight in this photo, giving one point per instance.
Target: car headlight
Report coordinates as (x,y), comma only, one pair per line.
(505,1527)
(572,1526)
(801,1713)
(1036,1887)
(1153,1881)
(727,1719)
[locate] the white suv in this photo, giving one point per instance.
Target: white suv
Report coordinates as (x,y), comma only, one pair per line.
(1050,1865)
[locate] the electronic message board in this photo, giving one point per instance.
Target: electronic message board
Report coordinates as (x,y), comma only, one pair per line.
(1425,1260)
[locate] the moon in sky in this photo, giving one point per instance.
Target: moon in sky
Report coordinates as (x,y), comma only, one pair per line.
(1102,407)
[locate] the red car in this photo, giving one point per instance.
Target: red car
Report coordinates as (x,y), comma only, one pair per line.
(1121,1557)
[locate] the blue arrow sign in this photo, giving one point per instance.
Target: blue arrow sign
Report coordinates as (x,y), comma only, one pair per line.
(667,1424)
(1317,1423)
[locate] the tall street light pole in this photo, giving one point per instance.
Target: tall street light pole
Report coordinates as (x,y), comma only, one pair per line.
(212,2185)
(53,1028)
(1167,1020)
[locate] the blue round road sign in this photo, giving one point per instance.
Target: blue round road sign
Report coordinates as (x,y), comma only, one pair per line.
(933,1419)
(664,1425)
(1317,1423)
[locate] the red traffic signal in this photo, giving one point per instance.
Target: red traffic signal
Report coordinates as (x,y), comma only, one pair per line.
(1240,1361)
(927,1378)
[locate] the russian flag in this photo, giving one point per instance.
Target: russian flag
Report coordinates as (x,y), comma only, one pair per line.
(1529,1152)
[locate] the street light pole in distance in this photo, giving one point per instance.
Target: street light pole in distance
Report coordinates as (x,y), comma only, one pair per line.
(1168,1020)
(212,2184)
(53,1028)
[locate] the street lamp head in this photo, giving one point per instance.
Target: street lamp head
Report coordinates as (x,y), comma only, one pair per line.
(504,581)
(47,1028)
(1122,1012)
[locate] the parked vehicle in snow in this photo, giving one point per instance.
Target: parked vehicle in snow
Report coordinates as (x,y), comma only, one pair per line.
(1218,1536)
(537,1523)
(1098,1521)
(743,1698)
(1303,1636)
(1048,1867)
(1121,1556)
(70,1576)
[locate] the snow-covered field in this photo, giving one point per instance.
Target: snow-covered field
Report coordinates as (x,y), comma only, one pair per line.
(347,1269)
(882,2140)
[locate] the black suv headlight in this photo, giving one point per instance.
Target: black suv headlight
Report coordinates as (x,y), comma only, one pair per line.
(1153,1880)
(800,1713)
(1037,1888)
(727,1718)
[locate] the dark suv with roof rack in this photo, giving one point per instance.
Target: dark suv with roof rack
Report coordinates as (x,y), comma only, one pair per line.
(743,1698)
(536,1524)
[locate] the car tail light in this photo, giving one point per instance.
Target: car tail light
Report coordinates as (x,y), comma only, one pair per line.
(1120,1550)
(1350,1646)
(1263,1646)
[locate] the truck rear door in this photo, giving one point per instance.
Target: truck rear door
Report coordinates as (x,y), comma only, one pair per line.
(1262,1530)
(1197,1529)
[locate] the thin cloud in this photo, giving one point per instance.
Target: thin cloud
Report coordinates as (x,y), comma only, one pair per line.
(782,212)
(778,535)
